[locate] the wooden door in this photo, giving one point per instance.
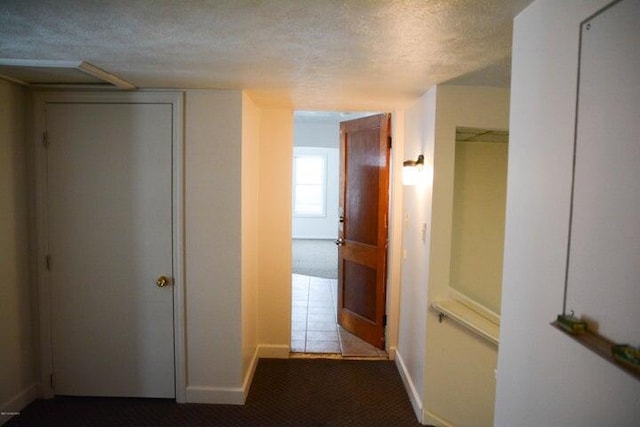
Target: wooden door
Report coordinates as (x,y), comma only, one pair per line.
(362,235)
(109,221)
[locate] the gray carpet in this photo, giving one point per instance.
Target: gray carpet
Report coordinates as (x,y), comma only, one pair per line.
(294,392)
(314,257)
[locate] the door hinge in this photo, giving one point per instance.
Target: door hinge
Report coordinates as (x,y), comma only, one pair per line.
(52,381)
(47,262)
(45,139)
(390,141)
(384,320)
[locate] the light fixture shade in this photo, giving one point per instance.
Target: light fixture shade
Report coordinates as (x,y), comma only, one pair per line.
(411,171)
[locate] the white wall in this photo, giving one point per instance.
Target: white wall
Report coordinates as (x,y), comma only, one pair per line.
(544,378)
(274,312)
(250,232)
(18,356)
(321,136)
(477,242)
(454,367)
(316,133)
(419,138)
(225,223)
(325,226)
(459,365)
(213,134)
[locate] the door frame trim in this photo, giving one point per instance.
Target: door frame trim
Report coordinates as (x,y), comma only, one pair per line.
(176,99)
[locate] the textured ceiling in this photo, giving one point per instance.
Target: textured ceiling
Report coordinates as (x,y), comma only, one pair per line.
(307,54)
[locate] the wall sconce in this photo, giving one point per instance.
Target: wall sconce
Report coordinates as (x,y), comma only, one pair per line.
(411,170)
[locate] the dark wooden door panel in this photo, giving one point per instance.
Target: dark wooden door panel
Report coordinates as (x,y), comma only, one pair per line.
(364,185)
(363,171)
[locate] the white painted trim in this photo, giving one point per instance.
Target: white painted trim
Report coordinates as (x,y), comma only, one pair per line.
(475,306)
(469,318)
(42,247)
(45,63)
(225,395)
(414,397)
(322,153)
(394,252)
(101,74)
(81,66)
(179,316)
(19,401)
(271,351)
(431,419)
(248,379)
(392,353)
(215,395)
(176,99)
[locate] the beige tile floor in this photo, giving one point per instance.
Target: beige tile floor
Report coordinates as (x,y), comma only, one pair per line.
(313,321)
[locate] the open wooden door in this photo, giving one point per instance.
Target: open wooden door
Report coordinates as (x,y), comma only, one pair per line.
(362,235)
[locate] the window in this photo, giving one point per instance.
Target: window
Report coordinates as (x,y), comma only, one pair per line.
(309,185)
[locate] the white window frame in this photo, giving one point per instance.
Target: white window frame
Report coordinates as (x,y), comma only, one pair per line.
(323,182)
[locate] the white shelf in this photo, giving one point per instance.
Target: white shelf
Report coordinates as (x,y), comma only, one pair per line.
(469,318)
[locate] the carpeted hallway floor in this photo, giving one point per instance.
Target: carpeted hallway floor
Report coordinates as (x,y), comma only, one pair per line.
(291,392)
(315,257)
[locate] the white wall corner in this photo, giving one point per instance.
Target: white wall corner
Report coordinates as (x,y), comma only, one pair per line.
(248,379)
(414,397)
(18,402)
(273,351)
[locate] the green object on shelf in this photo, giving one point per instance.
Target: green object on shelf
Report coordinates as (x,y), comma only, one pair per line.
(571,324)
(627,354)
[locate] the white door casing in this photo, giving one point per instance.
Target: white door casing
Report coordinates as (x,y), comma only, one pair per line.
(109,222)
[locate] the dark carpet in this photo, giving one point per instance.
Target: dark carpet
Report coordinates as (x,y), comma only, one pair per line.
(293,392)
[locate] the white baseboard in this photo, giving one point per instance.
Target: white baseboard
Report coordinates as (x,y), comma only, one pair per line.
(18,402)
(215,395)
(429,418)
(224,395)
(248,378)
(392,353)
(414,397)
(266,351)
(236,395)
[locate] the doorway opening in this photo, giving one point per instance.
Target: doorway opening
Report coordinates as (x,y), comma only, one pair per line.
(316,220)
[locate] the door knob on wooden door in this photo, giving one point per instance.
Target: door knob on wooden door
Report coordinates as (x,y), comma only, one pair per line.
(163,281)
(340,242)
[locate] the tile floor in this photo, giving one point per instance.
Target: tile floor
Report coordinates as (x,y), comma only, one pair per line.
(313,321)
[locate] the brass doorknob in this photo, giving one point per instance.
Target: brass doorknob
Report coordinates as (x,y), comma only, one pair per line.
(162,281)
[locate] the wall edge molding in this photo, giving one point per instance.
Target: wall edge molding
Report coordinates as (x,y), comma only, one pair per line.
(273,351)
(19,401)
(248,378)
(429,418)
(414,397)
(215,395)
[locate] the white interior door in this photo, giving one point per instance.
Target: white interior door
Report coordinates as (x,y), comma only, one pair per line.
(109,207)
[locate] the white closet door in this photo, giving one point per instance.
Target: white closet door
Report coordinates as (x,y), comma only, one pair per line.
(109,178)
